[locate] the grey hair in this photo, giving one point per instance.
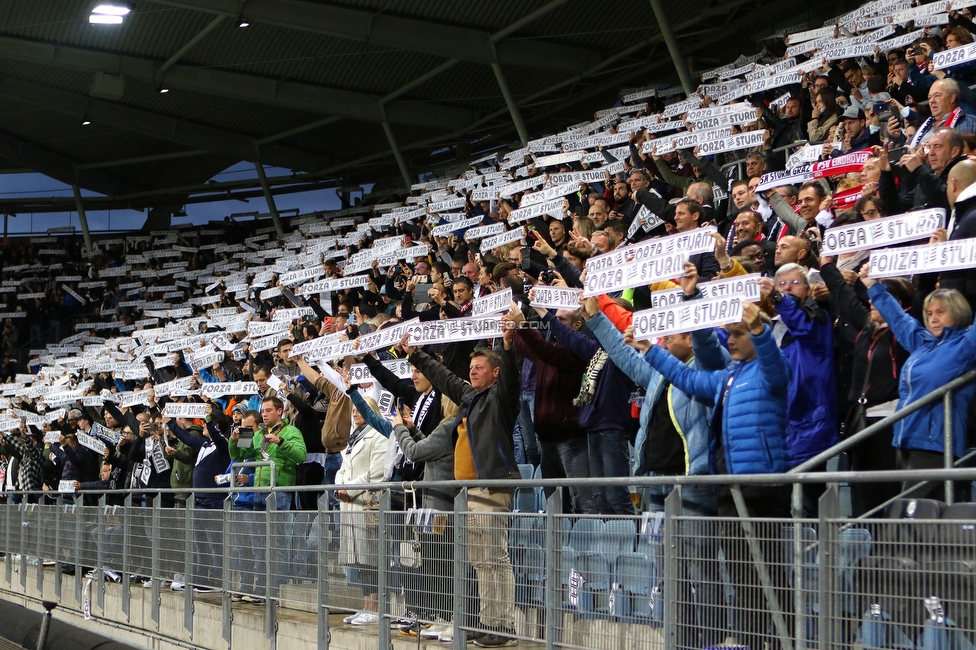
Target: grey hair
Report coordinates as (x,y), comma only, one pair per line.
(792,268)
(951,86)
(955,303)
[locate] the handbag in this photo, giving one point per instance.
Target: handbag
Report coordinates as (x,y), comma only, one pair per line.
(856,419)
(410,556)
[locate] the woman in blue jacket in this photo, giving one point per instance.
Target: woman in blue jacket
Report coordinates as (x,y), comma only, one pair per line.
(940,351)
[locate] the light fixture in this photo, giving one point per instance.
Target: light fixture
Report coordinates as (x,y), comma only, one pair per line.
(163,90)
(104,19)
(112,9)
(85,122)
(243,23)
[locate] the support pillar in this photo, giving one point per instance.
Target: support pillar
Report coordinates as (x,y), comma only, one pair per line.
(82,219)
(272,208)
(512,106)
(401,162)
(672,43)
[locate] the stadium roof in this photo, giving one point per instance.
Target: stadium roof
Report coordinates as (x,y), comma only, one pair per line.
(326,88)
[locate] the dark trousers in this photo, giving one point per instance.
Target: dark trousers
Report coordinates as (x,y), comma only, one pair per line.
(753,616)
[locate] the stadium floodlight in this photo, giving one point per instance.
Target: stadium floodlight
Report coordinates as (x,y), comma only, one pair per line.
(111,9)
(103,19)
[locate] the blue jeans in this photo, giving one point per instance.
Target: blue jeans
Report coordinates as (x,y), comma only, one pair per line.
(530,444)
(283,528)
(610,457)
(567,458)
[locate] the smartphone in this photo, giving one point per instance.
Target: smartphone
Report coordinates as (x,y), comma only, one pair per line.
(895,155)
(879,107)
(423,279)
(399,404)
(526,258)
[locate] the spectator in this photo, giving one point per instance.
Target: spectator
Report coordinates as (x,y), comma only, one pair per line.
(362,463)
(939,351)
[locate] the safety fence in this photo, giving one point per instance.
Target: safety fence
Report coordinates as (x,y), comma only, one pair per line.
(671,579)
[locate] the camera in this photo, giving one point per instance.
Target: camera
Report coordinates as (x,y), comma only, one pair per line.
(547,276)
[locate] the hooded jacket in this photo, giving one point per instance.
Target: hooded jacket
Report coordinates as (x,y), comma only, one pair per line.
(932,361)
(690,414)
(750,398)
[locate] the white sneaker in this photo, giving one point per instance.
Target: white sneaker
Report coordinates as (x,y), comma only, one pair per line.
(148,584)
(177,586)
(447,636)
(350,618)
(434,631)
(366,618)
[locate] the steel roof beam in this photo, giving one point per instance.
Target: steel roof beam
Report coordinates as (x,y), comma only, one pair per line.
(170,129)
(408,33)
(57,166)
(238,86)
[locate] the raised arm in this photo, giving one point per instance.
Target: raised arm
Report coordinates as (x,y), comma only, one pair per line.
(630,361)
(401,388)
(440,377)
(909,332)
(369,415)
(433,447)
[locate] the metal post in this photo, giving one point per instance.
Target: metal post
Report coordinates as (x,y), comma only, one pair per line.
(102,523)
(24,524)
(272,208)
(401,162)
(947,441)
(799,615)
(551,589)
(828,628)
(77,541)
(189,528)
(8,567)
(672,509)
(126,558)
(322,576)
(383,568)
(40,561)
(156,504)
(226,613)
(512,106)
(82,219)
(461,599)
(665,25)
(270,610)
(759,560)
(58,506)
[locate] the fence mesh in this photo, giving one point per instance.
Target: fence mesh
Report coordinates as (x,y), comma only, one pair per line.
(645,582)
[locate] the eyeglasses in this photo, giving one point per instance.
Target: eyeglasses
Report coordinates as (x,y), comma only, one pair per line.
(782,284)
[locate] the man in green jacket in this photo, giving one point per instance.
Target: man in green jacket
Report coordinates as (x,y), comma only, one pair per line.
(283,444)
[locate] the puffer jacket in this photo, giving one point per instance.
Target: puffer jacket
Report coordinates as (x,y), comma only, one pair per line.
(932,362)
(691,415)
(753,418)
(812,413)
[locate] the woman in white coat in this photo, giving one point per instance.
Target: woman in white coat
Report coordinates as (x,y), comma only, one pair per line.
(362,462)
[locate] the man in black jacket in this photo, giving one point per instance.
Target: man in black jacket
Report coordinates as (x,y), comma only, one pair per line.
(961,193)
(483,449)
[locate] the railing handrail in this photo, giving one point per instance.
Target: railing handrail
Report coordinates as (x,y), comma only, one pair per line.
(955,474)
(888,421)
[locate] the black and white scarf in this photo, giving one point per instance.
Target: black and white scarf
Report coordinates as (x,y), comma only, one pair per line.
(588,386)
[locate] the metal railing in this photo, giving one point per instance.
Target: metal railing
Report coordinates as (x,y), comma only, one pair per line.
(676,579)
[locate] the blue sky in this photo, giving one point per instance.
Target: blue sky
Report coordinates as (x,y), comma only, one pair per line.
(39,185)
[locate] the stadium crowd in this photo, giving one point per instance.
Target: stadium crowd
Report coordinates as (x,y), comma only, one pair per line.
(510,315)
